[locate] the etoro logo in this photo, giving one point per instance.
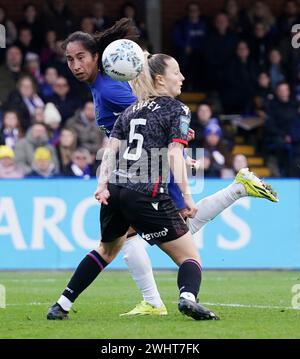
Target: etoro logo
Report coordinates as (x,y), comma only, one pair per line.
(155,235)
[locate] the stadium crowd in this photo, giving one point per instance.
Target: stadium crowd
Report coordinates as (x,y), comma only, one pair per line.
(241,58)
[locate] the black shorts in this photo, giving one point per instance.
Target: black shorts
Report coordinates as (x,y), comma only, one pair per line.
(155,221)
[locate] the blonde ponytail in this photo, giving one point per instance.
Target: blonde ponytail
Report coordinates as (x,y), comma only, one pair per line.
(143,85)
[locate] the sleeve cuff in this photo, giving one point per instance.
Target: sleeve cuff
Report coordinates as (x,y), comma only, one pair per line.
(179,140)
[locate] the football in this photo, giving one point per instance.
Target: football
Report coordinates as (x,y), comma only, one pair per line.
(123,60)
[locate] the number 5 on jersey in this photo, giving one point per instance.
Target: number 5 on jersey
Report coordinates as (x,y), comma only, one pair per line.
(135,136)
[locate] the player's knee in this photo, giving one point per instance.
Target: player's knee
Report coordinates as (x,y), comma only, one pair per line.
(182,258)
(108,251)
(194,257)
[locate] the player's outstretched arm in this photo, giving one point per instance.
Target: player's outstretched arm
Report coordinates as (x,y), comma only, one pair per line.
(178,168)
(107,166)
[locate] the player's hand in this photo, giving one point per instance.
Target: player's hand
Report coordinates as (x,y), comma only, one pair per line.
(184,213)
(191,208)
(196,164)
(191,135)
(102,194)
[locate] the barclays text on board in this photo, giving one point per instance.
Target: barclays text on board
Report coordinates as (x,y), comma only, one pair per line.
(51,224)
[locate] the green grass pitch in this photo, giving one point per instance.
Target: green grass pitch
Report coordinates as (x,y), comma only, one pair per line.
(251,304)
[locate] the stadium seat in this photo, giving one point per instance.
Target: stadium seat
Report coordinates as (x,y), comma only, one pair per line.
(261,171)
(255,161)
(192,106)
(239,140)
(243,149)
(192,97)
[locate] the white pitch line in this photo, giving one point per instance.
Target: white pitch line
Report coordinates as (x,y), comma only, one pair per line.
(22,304)
(232,305)
(30,280)
(255,306)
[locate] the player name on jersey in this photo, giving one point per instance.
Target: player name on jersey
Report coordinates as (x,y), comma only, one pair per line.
(151,105)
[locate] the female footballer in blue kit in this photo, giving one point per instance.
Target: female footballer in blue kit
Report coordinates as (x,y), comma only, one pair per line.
(83,53)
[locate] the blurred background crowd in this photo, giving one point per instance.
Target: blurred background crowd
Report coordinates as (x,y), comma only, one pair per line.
(242,84)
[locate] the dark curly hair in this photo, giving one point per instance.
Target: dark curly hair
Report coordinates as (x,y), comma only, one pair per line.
(96,43)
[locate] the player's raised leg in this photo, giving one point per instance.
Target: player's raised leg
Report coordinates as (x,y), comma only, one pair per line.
(246,183)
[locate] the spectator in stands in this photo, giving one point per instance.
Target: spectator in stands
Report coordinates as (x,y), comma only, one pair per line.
(11,31)
(25,41)
(88,134)
(295,145)
(100,20)
(42,166)
(87,25)
(8,169)
(52,120)
(32,67)
(10,72)
(260,11)
(276,70)
(263,95)
(219,51)
(188,41)
(58,60)
(129,10)
(66,147)
(80,165)
(11,130)
(24,100)
(35,137)
(48,50)
(46,88)
(281,112)
(289,17)
(31,21)
(66,103)
(204,166)
(236,16)
(290,57)
(297,85)
(210,168)
(219,154)
(57,16)
(200,120)
(240,81)
(239,161)
(38,115)
(260,44)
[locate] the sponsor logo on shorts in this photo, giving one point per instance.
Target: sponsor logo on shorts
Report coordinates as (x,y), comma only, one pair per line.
(155,235)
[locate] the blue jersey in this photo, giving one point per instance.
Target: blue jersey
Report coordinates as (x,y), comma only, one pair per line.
(112,97)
